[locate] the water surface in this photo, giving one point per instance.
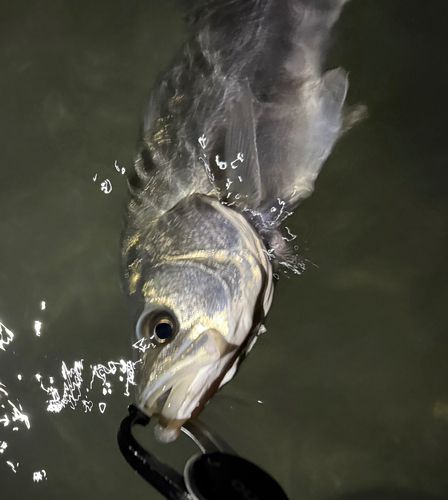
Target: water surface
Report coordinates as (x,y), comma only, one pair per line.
(346,396)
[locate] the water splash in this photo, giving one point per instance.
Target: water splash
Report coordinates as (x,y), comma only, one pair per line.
(6,336)
(267,223)
(75,391)
(38,327)
(144,344)
(18,414)
(106,184)
(77,382)
(72,388)
(13,467)
(13,413)
(102,372)
(39,475)
(119,169)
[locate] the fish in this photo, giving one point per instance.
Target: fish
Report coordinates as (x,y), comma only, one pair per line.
(234,136)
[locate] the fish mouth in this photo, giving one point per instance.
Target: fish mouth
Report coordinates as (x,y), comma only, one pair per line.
(176,390)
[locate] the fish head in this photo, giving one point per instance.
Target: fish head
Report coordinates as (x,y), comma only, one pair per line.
(200,311)
(192,339)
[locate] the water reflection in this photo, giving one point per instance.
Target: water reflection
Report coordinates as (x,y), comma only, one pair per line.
(6,336)
(75,387)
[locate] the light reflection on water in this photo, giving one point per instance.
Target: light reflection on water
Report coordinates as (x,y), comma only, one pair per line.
(73,389)
(39,475)
(6,336)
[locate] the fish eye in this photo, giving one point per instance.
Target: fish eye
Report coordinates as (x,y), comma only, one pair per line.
(157,324)
(163,330)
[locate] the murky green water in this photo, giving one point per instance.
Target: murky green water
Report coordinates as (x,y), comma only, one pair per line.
(352,375)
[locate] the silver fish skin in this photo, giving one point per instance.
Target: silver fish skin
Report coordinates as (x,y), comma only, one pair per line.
(234,136)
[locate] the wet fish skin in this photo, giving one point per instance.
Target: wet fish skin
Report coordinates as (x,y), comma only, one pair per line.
(234,136)
(205,266)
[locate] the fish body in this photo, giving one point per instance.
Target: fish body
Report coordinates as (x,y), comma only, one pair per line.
(234,136)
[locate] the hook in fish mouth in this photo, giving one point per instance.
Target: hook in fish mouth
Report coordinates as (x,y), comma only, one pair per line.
(165,431)
(174,392)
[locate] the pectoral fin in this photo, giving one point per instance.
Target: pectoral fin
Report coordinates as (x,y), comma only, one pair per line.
(242,176)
